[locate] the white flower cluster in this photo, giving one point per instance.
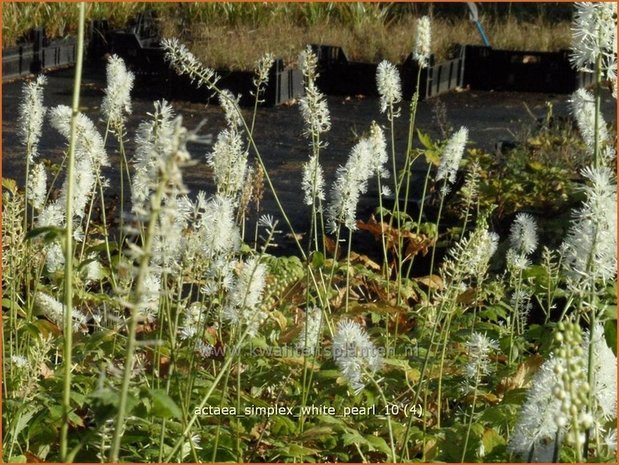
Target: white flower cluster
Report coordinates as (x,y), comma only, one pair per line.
(317,120)
(229,156)
(548,401)
(262,70)
(232,111)
(604,366)
(193,320)
(153,144)
(313,105)
(523,234)
(590,248)
(423,42)
(354,354)
(389,87)
(351,182)
(169,242)
(313,181)
(55,312)
(379,149)
(37,185)
(469,258)
(214,230)
(31,115)
(229,162)
(185,62)
(479,347)
(536,424)
(242,307)
(148,306)
(117,100)
(583,108)
(594,37)
(90,156)
(310,334)
(450,161)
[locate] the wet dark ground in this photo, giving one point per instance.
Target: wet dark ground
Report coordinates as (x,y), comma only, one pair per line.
(490,117)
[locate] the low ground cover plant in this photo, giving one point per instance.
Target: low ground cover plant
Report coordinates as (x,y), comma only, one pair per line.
(172,333)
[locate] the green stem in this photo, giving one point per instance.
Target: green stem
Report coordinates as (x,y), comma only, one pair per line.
(389,425)
(468,429)
(132,326)
(438,222)
(68,267)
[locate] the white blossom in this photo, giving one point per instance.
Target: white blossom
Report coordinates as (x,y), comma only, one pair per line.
(31,115)
(242,307)
(37,186)
(313,182)
(19,361)
(55,311)
(604,369)
(450,161)
(229,162)
(523,234)
(351,181)
(185,63)
(313,104)
(594,35)
(583,109)
(590,248)
(479,347)
(220,234)
(354,354)
(230,105)
(262,69)
(423,42)
(389,86)
(153,143)
(379,149)
(310,334)
(117,100)
(536,424)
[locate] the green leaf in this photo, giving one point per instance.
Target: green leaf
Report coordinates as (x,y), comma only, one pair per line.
(11,185)
(163,405)
(49,233)
(491,439)
(318,260)
(424,139)
(610,331)
(295,450)
(317,433)
(353,437)
(378,443)
(17,458)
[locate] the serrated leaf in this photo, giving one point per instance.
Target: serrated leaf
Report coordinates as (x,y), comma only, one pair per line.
(163,405)
(378,443)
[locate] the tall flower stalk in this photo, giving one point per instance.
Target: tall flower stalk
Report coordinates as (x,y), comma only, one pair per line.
(68,243)
(447,169)
(30,121)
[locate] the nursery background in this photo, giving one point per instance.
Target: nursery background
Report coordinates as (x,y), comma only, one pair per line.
(377,264)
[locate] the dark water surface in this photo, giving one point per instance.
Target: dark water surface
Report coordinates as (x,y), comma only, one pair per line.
(489,116)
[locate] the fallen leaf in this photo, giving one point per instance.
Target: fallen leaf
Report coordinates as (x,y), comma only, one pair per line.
(431,282)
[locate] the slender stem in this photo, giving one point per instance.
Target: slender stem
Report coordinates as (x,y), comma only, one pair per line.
(348,268)
(468,429)
(421,205)
(384,399)
(132,326)
(68,266)
(440,372)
